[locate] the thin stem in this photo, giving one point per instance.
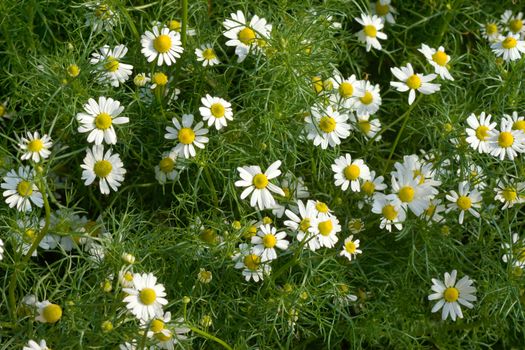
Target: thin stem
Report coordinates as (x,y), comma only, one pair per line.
(209,336)
(212,187)
(184,22)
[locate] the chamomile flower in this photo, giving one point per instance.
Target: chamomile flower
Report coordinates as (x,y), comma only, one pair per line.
(177,26)
(422,171)
(371,31)
(163,45)
(106,167)
(345,87)
(513,23)
(515,251)
(374,184)
(322,210)
(433,210)
(464,200)
(258,185)
(350,248)
(304,224)
(48,312)
(350,173)
(158,326)
(250,263)
(510,47)
(326,231)
(216,111)
(294,189)
(507,142)
(187,135)
(391,210)
(326,126)
(167,168)
(33,345)
(267,240)
(369,127)
(438,59)
(112,70)
(510,193)
(367,99)
(410,192)
(99,120)
(384,9)
(146,298)
(478,132)
(21,190)
(518,122)
(413,81)
(141,79)
(35,147)
(450,294)
(490,31)
(101,16)
(206,54)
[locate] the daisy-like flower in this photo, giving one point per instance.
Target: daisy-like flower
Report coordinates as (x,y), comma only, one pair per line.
(507,142)
(450,294)
(513,23)
(266,240)
(515,252)
(464,200)
(304,224)
(438,59)
(177,26)
(204,276)
(510,47)
(369,127)
(348,173)
(509,193)
(434,210)
(422,172)
(101,17)
(188,136)
(3,111)
(410,191)
(163,45)
(112,69)
(216,111)
(251,263)
(371,31)
(326,231)
(35,147)
(20,189)
(326,126)
(412,81)
(490,31)
(294,189)
(99,119)
(141,79)
(367,99)
(351,248)
(33,345)
(206,54)
(391,210)
(146,298)
(384,9)
(107,167)
(478,133)
(258,184)
(373,185)
(167,168)
(345,87)
(518,122)
(48,312)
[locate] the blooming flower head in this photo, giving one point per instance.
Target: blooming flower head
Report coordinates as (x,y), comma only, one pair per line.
(345,87)
(433,210)
(367,99)
(250,263)
(101,16)
(410,191)
(348,173)
(326,230)
(510,47)
(266,240)
(515,251)
(507,142)
(21,190)
(478,132)
(412,81)
(33,345)
(107,167)
(384,9)
(391,210)
(326,126)
(216,111)
(350,248)
(373,185)
(187,135)
(207,55)
(99,119)
(464,200)
(294,189)
(163,45)
(146,298)
(490,31)
(513,23)
(113,71)
(517,121)
(367,125)
(35,147)
(304,223)
(450,294)
(438,59)
(371,31)
(167,168)
(48,312)
(510,193)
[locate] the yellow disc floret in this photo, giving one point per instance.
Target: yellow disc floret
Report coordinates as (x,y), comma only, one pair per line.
(346,89)
(406,194)
(217,110)
(73,70)
(186,136)
(505,139)
(519,125)
(24,188)
(111,64)
(325,227)
(509,43)
(381,10)
(246,36)
(260,181)
(451,294)
(414,82)
(327,124)
(365,126)
(166,165)
(174,25)
(370,30)
(464,202)
(269,240)
(491,28)
(208,54)
(102,168)
(515,25)
(35,145)
(147,296)
(350,247)
(440,58)
(367,98)
(352,172)
(482,132)
(162,43)
(160,79)
(389,212)
(103,121)
(52,313)
(252,261)
(304,225)
(322,207)
(368,188)
(156,325)
(509,194)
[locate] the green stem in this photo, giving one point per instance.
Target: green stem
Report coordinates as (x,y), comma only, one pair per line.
(212,187)
(209,336)
(184,22)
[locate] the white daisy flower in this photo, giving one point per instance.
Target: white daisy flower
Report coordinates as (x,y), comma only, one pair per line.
(113,71)
(384,9)
(371,31)
(326,126)
(518,122)
(294,189)
(107,167)
(513,23)
(450,294)
(163,45)
(258,184)
(464,200)
(510,47)
(99,119)
(350,248)
(410,192)
(250,263)
(266,240)
(346,88)
(188,137)
(35,147)
(422,172)
(373,185)
(506,143)
(367,99)
(478,133)
(412,81)
(490,31)
(510,193)
(434,210)
(206,54)
(146,298)
(322,210)
(438,59)
(391,210)
(369,127)
(48,312)
(216,111)
(141,79)
(515,252)
(33,345)
(20,189)
(26,233)
(101,17)
(326,231)
(167,168)
(304,224)
(348,173)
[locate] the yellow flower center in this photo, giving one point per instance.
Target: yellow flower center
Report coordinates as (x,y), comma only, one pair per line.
(350,247)
(2,110)
(208,54)
(166,165)
(509,194)
(346,89)
(381,10)
(73,71)
(103,121)
(505,139)
(509,43)
(491,28)
(464,202)
(515,25)
(266,220)
(365,126)
(29,235)
(52,313)
(368,188)
(24,188)
(440,58)
(250,232)
(370,31)
(128,276)
(147,296)
(406,194)
(160,79)
(352,172)
(102,168)
(269,241)
(321,207)
(389,212)
(317,83)
(186,136)
(164,336)
(252,261)
(260,181)
(162,43)
(451,294)
(482,132)
(112,64)
(174,25)
(304,225)
(430,210)
(217,110)
(367,99)
(156,326)
(325,227)
(35,145)
(327,124)
(414,82)
(102,11)
(246,36)
(519,125)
